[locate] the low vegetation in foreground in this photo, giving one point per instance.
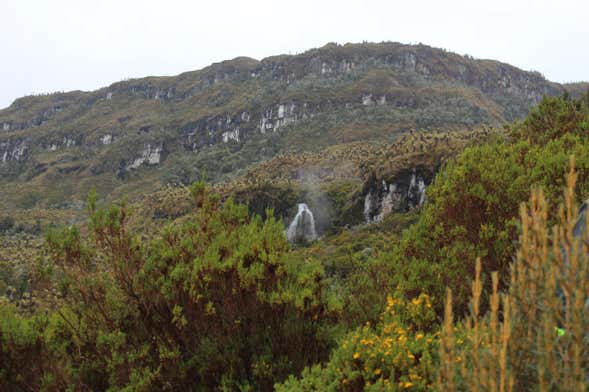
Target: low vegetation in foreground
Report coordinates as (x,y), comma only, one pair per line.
(486,288)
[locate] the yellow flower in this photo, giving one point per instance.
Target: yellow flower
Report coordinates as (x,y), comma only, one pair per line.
(356,355)
(413,376)
(377,371)
(418,336)
(390,301)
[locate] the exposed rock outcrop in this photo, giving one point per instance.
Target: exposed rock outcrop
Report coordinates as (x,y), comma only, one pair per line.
(106,139)
(150,155)
(403,193)
(13,151)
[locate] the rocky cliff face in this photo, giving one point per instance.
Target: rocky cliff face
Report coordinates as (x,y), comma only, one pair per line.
(400,194)
(324,96)
(13,150)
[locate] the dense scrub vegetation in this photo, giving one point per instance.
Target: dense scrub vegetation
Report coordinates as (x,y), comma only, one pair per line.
(473,203)
(212,302)
(218,300)
(535,335)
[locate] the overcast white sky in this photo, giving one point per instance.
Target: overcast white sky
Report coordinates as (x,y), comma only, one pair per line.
(55,45)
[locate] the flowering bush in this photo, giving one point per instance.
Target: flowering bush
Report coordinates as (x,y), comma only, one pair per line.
(397,354)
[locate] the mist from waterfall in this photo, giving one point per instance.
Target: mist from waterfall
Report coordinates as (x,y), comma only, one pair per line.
(302,228)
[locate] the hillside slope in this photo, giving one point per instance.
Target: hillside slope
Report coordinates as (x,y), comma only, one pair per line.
(135,135)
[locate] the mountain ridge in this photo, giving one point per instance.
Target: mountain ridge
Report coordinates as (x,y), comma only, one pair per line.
(241,64)
(221,119)
(240,60)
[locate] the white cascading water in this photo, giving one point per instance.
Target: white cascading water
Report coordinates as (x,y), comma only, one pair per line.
(368,207)
(421,191)
(302,228)
(416,190)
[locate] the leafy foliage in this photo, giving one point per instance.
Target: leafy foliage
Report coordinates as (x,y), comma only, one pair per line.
(199,292)
(535,335)
(212,302)
(398,354)
(555,117)
(473,204)
(29,340)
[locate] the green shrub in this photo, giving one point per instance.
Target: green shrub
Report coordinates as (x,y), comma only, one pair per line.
(535,335)
(473,203)
(398,354)
(553,118)
(212,302)
(27,361)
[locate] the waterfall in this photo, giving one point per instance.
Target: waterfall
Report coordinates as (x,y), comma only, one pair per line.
(416,192)
(302,228)
(421,191)
(368,207)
